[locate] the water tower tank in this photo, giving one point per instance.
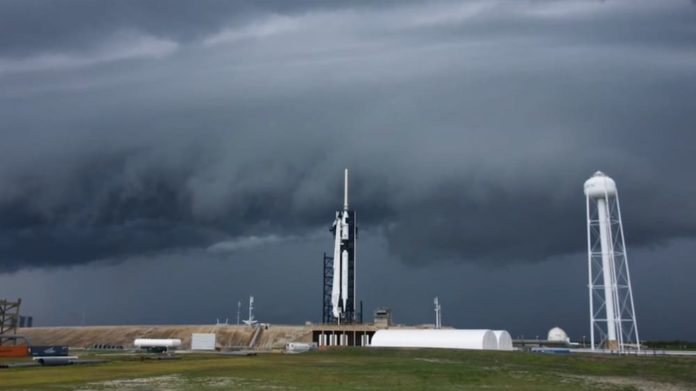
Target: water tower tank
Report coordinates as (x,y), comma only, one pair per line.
(600,185)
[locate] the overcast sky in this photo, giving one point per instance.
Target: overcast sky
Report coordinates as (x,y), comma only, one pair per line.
(161,160)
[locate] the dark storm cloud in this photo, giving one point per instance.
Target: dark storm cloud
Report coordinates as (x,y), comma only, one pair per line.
(54,25)
(468,127)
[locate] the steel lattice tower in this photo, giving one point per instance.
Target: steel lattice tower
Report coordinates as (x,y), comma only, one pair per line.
(612,312)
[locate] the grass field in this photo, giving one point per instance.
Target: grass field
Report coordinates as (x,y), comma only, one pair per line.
(366,369)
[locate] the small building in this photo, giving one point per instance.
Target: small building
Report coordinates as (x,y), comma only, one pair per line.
(26,321)
(383,317)
(203,341)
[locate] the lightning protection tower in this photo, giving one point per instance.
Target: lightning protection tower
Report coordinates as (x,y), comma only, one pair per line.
(612,312)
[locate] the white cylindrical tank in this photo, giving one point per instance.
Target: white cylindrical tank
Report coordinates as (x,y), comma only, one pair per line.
(504,339)
(447,339)
(156,343)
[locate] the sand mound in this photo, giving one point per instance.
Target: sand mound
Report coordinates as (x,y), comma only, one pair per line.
(272,337)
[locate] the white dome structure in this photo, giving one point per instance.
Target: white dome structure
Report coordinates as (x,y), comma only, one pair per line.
(557,334)
(439,338)
(504,339)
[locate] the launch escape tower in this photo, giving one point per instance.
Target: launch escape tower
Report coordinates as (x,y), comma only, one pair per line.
(339,304)
(609,278)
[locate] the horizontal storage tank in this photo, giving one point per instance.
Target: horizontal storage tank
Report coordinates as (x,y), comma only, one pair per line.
(504,339)
(446,339)
(156,343)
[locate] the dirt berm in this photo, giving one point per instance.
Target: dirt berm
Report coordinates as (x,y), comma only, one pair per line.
(227,336)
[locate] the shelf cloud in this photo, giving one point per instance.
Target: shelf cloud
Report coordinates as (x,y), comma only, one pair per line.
(468,127)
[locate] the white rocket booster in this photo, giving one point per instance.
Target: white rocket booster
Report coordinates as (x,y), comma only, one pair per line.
(339,291)
(336,289)
(344,277)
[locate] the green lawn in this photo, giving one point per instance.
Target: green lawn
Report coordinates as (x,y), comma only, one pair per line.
(367,369)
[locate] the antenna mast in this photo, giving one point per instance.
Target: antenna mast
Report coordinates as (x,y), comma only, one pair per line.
(438,314)
(345,190)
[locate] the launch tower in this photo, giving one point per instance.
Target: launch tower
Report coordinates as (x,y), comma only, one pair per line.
(339,270)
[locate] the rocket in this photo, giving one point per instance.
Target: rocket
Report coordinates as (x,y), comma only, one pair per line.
(343,288)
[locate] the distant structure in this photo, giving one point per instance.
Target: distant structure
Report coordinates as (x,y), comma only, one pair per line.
(438,314)
(339,304)
(157,344)
(557,334)
(203,341)
(9,317)
(26,321)
(612,312)
(251,321)
(383,317)
(239,311)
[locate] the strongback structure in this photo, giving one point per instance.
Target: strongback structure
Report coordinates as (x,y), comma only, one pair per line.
(339,304)
(326,316)
(612,312)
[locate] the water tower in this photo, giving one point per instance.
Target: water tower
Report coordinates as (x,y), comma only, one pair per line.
(612,313)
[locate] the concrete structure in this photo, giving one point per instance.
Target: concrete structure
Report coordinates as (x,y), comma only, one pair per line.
(343,335)
(203,341)
(612,312)
(442,338)
(504,339)
(383,317)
